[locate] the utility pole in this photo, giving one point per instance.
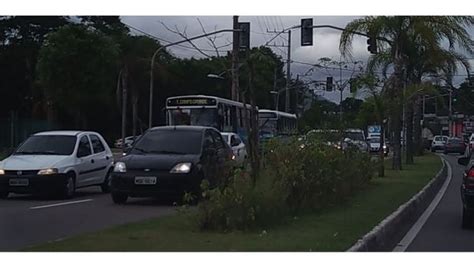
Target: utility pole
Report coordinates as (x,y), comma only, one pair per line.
(275,87)
(341,89)
(288,75)
(124,107)
(235,59)
(450,121)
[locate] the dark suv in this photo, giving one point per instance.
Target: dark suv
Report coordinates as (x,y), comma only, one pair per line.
(467,192)
(169,161)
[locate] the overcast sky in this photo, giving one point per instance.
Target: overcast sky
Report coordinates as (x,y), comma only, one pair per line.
(325,41)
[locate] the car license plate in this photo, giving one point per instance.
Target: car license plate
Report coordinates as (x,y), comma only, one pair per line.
(145,180)
(19,182)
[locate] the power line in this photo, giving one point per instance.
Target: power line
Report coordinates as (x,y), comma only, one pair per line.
(166,41)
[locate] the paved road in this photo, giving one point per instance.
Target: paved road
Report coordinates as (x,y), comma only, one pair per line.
(26,220)
(442,231)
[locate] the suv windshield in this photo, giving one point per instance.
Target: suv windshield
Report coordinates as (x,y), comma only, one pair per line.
(374,140)
(48,144)
(169,142)
(355,136)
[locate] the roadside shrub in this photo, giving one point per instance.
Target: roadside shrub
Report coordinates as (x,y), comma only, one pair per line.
(315,173)
(297,175)
(240,205)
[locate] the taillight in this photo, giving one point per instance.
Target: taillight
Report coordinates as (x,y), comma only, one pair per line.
(469,179)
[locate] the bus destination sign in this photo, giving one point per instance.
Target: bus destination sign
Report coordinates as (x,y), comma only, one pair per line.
(191,101)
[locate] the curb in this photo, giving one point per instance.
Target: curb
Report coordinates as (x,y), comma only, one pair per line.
(386,235)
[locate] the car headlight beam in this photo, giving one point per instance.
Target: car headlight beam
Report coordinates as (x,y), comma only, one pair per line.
(181,168)
(48,171)
(120,167)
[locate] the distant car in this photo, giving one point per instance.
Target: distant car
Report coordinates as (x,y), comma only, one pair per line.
(467,192)
(455,145)
(57,162)
(237,145)
(128,141)
(374,145)
(438,143)
(471,143)
(169,161)
(356,137)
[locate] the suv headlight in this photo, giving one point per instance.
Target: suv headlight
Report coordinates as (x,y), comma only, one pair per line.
(2,172)
(48,171)
(120,167)
(181,168)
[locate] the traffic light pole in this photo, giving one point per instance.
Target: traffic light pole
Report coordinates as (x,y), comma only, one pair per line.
(288,75)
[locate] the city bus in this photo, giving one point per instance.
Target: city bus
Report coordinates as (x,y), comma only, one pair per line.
(200,110)
(276,124)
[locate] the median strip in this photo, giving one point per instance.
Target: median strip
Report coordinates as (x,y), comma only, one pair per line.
(62,204)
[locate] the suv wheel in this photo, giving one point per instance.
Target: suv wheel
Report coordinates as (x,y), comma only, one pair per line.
(119,198)
(3,195)
(466,219)
(69,187)
(105,186)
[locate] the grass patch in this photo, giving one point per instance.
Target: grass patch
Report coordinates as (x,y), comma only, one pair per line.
(333,229)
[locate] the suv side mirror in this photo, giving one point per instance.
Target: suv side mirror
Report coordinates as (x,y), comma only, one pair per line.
(464,161)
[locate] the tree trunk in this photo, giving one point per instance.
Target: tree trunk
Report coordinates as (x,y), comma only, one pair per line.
(396,118)
(409,133)
(134,113)
(381,151)
(417,135)
(253,141)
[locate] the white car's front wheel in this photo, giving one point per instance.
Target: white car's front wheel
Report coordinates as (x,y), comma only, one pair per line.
(69,187)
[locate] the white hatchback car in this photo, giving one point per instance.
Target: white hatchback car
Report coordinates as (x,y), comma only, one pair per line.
(57,162)
(237,145)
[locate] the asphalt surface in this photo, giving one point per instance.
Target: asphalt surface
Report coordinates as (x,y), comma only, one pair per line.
(442,231)
(27,220)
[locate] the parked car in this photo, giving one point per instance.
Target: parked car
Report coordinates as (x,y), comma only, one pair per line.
(57,162)
(438,143)
(455,145)
(237,146)
(374,145)
(467,192)
(169,161)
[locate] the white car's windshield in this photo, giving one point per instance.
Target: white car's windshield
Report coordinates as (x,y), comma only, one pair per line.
(48,144)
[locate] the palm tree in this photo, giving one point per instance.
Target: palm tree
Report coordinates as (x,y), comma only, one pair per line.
(401,38)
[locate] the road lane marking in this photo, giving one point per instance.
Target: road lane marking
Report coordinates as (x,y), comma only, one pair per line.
(415,229)
(62,204)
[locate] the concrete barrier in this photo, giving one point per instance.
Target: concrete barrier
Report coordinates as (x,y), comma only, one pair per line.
(386,235)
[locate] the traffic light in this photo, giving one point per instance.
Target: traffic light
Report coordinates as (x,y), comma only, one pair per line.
(244,35)
(372,43)
(306,32)
(329,84)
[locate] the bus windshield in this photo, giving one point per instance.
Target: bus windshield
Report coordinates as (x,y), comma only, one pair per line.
(268,127)
(194,117)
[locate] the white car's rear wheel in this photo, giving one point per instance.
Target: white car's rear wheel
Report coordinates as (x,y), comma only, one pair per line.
(105,186)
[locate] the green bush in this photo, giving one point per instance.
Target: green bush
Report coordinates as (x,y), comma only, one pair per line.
(297,175)
(240,205)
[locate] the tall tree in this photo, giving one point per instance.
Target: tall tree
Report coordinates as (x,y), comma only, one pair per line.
(77,67)
(400,35)
(21,37)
